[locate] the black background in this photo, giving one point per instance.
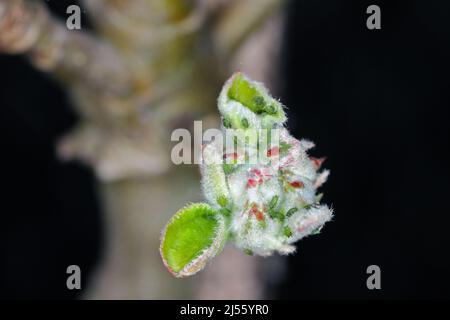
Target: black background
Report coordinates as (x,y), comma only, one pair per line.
(375,102)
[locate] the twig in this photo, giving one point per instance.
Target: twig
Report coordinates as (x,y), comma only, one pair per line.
(73,56)
(239,20)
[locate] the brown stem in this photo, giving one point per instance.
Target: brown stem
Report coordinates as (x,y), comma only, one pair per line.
(239,20)
(135,213)
(73,56)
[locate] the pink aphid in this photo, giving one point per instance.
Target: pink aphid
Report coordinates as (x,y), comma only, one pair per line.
(273,152)
(257,176)
(256,172)
(317,162)
(251,183)
(233,156)
(297,184)
(257,213)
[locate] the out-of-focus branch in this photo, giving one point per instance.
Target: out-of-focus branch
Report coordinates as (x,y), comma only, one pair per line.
(73,56)
(239,19)
(143,24)
(154,65)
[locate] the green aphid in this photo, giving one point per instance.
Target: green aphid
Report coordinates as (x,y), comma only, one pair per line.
(273,202)
(281,215)
(226,123)
(229,168)
(310,205)
(248,252)
(291,211)
(245,123)
(225,212)
(259,101)
(222,201)
(270,109)
(287,232)
(274,214)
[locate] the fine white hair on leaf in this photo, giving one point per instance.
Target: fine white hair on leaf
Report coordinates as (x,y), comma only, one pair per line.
(314,219)
(322,178)
(270,203)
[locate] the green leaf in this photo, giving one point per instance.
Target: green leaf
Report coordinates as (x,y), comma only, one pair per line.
(250,96)
(194,235)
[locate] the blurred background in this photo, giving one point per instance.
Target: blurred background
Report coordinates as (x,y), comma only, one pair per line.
(376,102)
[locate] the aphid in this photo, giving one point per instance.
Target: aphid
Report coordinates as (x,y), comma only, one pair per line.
(261,208)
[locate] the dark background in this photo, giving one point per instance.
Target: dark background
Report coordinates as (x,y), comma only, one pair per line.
(375,101)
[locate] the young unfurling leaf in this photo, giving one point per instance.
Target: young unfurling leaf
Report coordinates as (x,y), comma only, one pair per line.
(193,236)
(261,207)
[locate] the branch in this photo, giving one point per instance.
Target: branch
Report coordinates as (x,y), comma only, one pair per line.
(146,24)
(73,56)
(239,19)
